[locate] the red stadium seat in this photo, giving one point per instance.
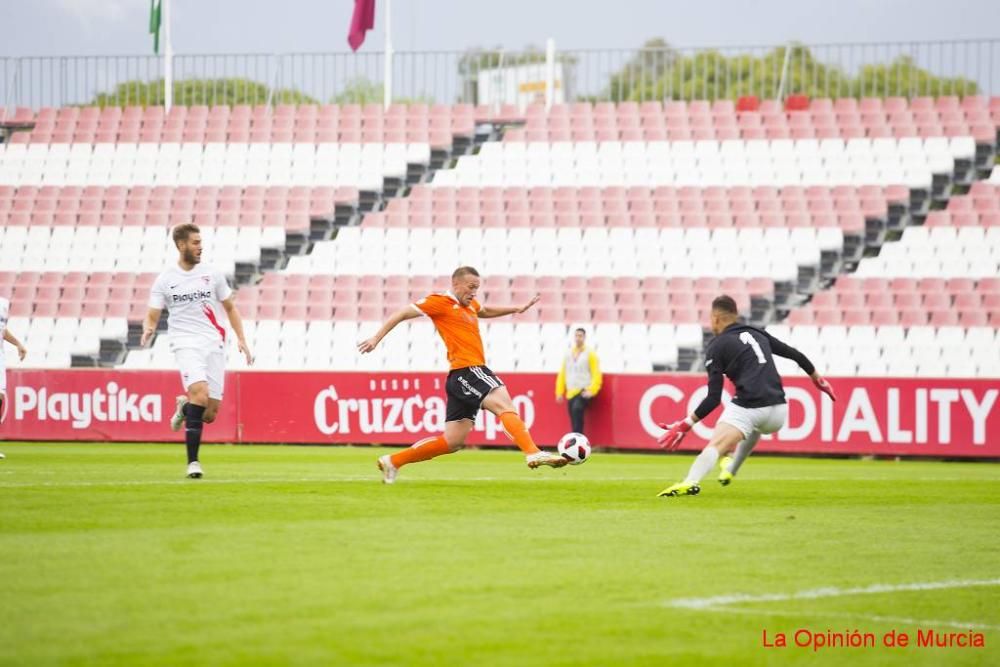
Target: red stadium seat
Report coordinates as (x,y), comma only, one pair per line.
(856,317)
(878,300)
(936,300)
(800,316)
(989,285)
(902,285)
(577,314)
(975,318)
(908,300)
(942,318)
(797,103)
(913,317)
(884,317)
(851,300)
(825,317)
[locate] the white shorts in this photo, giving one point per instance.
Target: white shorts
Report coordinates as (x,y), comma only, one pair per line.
(203,365)
(760,420)
(3,375)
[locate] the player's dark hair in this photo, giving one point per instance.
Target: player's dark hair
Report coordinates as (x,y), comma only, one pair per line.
(581,330)
(182,232)
(725,304)
(463,271)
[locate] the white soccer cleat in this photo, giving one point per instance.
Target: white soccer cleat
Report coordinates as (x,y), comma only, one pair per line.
(194,470)
(389,471)
(542,458)
(178,418)
(2,456)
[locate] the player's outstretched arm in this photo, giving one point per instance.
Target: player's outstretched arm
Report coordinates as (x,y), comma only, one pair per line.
(676,431)
(149,326)
(22,351)
(487,311)
(236,322)
(402,315)
(787,351)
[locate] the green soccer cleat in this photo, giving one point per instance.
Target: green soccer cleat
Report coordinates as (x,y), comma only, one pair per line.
(681,489)
(725,477)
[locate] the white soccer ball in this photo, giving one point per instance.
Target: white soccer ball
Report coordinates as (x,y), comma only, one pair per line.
(575,448)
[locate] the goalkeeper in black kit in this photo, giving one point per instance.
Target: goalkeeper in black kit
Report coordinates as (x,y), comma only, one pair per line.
(745,355)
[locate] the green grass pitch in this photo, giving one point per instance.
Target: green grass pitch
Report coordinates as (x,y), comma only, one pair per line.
(299,555)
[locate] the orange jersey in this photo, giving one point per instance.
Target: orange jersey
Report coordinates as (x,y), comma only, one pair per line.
(458,327)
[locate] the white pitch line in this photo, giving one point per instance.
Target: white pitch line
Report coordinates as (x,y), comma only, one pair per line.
(311,480)
(658,479)
(865,617)
(171,482)
(828,592)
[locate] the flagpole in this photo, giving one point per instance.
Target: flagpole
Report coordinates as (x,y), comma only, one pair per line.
(168,58)
(387,48)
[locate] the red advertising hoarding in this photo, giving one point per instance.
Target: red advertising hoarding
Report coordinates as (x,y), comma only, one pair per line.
(922,417)
(112,405)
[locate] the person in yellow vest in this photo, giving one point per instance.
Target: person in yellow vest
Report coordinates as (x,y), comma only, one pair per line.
(579,379)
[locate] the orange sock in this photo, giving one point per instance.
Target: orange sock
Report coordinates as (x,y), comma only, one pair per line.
(518,432)
(426,449)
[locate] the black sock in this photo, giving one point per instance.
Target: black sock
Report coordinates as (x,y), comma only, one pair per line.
(192,430)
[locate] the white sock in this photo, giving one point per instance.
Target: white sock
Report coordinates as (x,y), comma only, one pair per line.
(743,451)
(704,463)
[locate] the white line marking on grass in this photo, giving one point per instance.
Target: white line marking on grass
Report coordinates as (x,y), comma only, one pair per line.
(311,480)
(171,482)
(865,617)
(712,603)
(529,478)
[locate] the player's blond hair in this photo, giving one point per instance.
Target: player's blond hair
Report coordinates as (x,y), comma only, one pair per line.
(183,231)
(463,271)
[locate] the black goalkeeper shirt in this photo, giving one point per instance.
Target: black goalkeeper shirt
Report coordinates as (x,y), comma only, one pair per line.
(745,355)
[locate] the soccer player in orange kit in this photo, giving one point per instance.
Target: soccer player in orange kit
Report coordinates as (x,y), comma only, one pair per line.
(471,386)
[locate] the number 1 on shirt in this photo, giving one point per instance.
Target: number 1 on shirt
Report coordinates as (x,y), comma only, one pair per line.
(752,342)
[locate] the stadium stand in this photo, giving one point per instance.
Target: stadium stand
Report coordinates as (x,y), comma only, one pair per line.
(436,125)
(844,118)
(627,217)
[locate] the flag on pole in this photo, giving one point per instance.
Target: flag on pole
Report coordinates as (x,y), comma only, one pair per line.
(362,21)
(154,24)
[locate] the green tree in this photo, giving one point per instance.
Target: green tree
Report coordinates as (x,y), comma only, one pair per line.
(659,72)
(363,91)
(645,70)
(359,91)
(902,77)
(199,91)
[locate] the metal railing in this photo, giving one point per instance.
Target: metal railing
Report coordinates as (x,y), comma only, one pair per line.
(654,72)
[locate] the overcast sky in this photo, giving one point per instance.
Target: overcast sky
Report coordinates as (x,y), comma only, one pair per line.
(90,27)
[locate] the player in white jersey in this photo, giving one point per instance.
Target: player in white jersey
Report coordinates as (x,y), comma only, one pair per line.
(193,295)
(6,335)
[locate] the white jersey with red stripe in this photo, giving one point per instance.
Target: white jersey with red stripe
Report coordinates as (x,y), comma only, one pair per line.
(193,299)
